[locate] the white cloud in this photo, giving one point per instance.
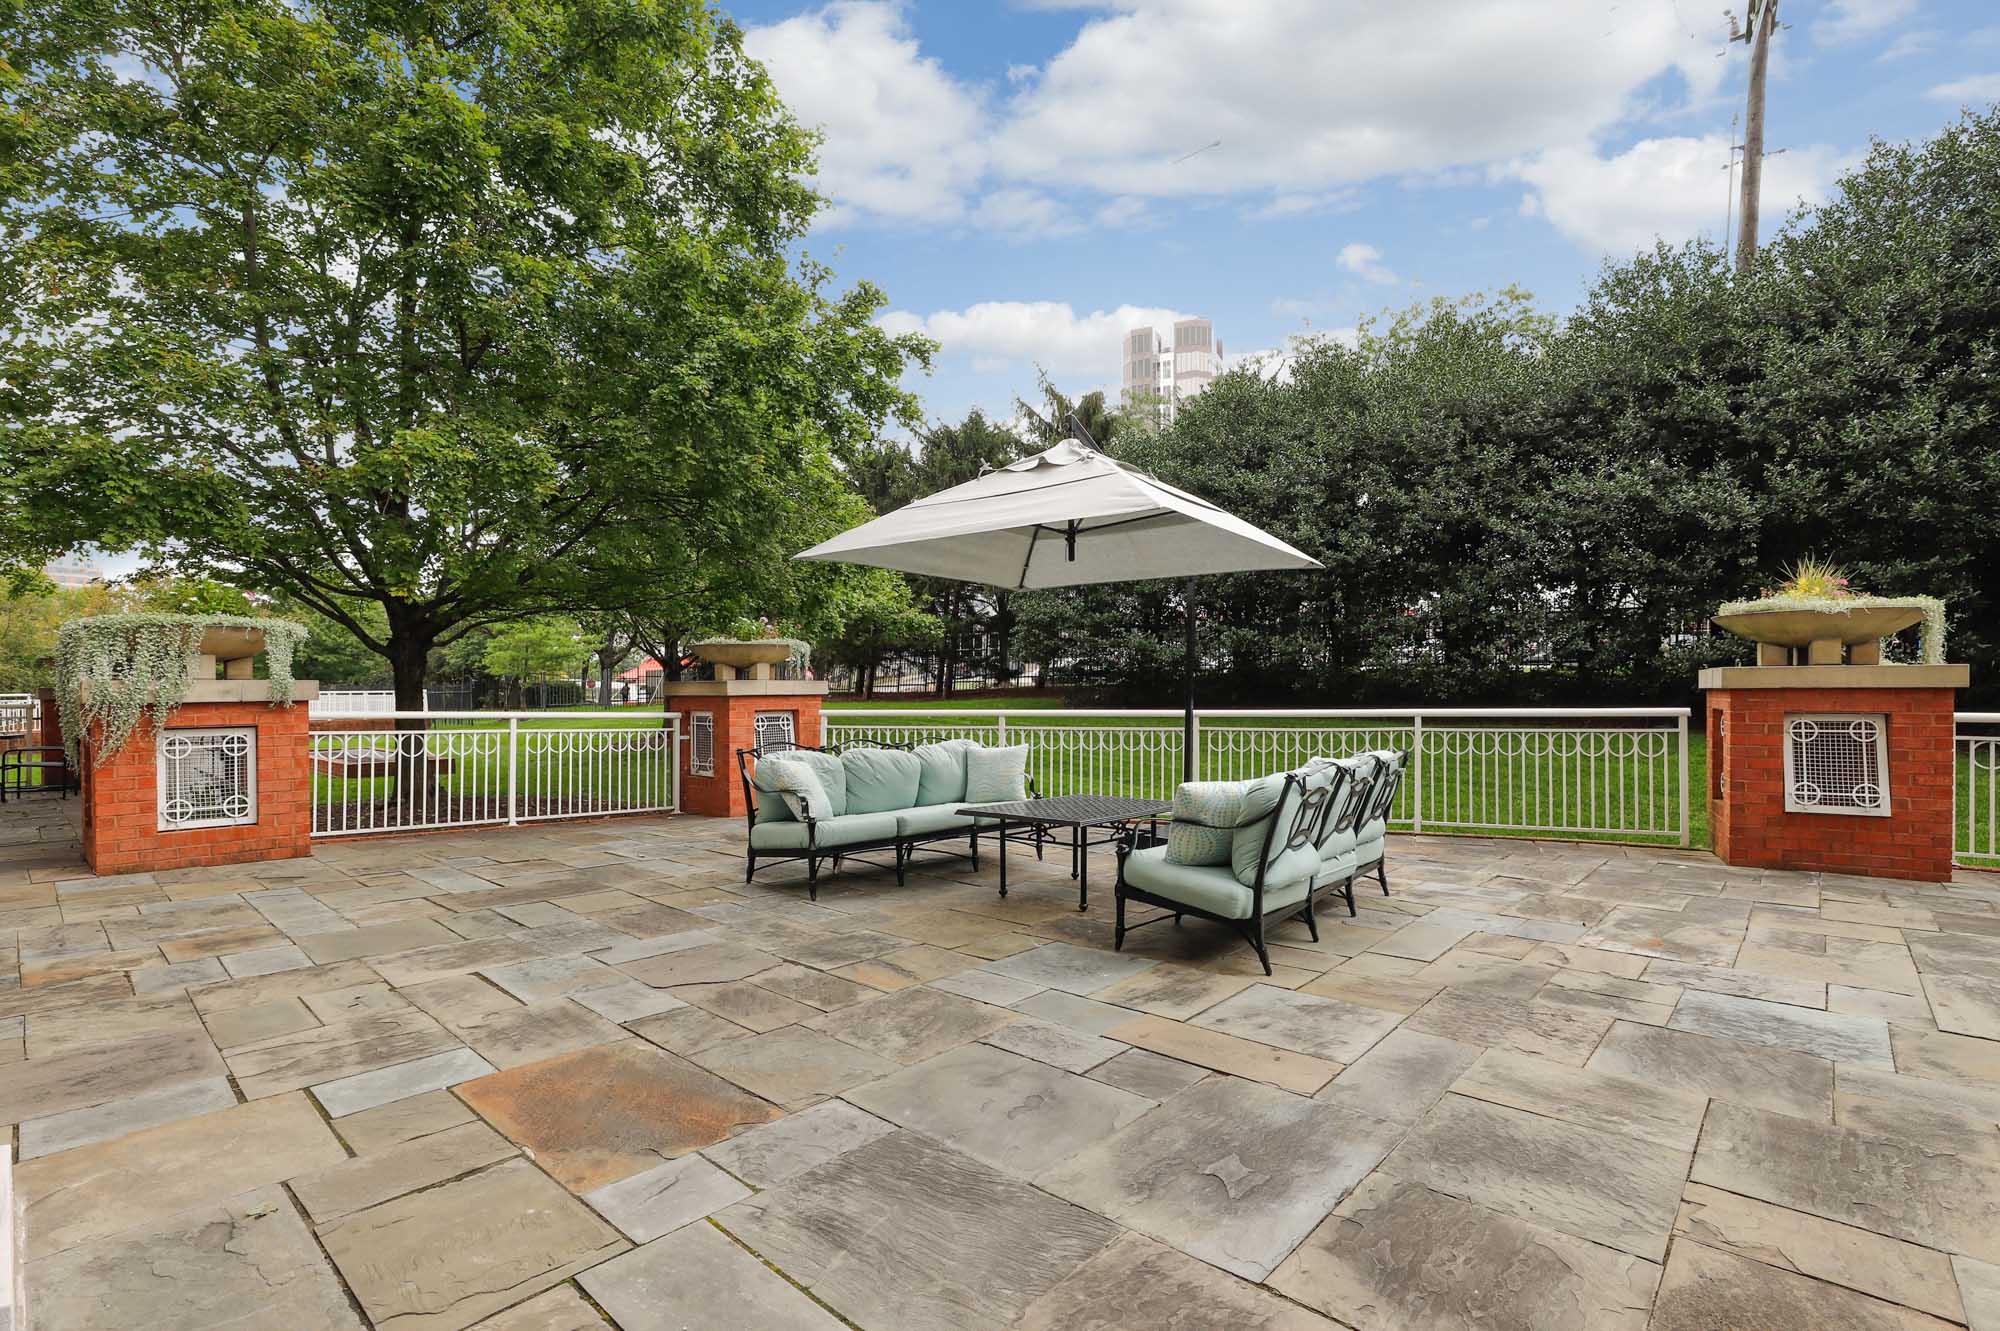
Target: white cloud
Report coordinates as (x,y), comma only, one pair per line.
(1284,205)
(1026,213)
(1365,262)
(1307,98)
(1670,189)
(903,139)
(1910,44)
(1978,88)
(1853,20)
(1014,334)
(1305,95)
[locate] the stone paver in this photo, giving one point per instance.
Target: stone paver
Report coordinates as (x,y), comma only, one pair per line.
(911,1025)
(247,1261)
(768,1155)
(1136,1282)
(1609,1188)
(696,1277)
(792,1067)
(443,1258)
(1705,1288)
(608,1112)
(1010,1112)
(665,1197)
(905,1234)
(1511,1060)
(1397,1256)
(354,1185)
(1230,1171)
(106,1188)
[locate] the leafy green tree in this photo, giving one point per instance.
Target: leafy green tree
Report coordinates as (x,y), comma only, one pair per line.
(1054,415)
(533,650)
(443,309)
(879,618)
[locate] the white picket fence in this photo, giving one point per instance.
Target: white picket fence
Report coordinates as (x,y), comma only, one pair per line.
(470,769)
(1594,771)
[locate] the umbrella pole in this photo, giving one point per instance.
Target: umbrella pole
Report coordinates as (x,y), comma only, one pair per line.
(1187,718)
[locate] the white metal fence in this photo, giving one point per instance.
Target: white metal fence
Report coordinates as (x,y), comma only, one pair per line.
(466,769)
(1603,771)
(1976,808)
(335,703)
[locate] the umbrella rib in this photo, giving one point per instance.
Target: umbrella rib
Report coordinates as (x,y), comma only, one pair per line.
(1033,535)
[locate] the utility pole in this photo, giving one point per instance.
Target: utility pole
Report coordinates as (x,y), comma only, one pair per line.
(1761,21)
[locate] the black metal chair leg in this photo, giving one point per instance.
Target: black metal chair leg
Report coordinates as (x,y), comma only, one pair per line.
(812,878)
(1348,891)
(1382,874)
(1312,924)
(749,867)
(1118,933)
(902,858)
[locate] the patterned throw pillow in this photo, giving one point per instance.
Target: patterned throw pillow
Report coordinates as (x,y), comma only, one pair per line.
(794,783)
(993,776)
(1205,816)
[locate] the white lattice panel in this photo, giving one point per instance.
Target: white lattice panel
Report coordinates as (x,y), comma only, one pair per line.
(207,778)
(701,743)
(775,728)
(1836,764)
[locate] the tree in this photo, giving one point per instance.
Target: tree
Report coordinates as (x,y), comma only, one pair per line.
(533,650)
(880,617)
(448,310)
(1054,416)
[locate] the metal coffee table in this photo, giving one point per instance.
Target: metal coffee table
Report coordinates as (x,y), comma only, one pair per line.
(1079,813)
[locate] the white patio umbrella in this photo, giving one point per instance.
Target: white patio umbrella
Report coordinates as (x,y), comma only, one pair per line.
(1066,517)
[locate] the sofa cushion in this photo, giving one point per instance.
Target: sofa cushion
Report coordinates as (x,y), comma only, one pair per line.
(1335,869)
(1205,818)
(880,780)
(847,829)
(1336,845)
(942,779)
(928,818)
(794,783)
(1209,887)
(826,766)
(1368,845)
(995,775)
(1247,843)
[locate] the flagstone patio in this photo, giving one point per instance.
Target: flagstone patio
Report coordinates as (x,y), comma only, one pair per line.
(542,1079)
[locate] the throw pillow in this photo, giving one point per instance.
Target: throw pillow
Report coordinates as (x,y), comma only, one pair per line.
(795,784)
(996,775)
(942,778)
(832,776)
(1205,818)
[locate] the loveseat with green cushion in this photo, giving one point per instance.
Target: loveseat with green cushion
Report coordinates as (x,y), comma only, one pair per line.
(1245,854)
(827,804)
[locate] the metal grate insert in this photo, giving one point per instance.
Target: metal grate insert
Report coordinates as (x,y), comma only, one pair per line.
(207,778)
(1836,764)
(776,727)
(701,743)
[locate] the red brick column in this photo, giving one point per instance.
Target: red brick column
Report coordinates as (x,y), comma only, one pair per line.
(734,705)
(1751,826)
(121,816)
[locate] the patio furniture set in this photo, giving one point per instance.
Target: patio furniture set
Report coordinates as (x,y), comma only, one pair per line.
(1248,854)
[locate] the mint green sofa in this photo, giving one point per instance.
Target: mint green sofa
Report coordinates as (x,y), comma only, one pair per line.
(863,797)
(1284,839)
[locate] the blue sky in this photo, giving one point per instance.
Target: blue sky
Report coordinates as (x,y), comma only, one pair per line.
(1006,171)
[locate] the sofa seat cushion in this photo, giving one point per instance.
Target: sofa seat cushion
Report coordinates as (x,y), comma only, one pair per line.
(1337,844)
(832,833)
(1368,846)
(1209,887)
(880,780)
(928,818)
(942,776)
(1336,869)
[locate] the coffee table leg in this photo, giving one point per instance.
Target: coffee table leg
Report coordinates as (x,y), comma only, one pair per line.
(1003,857)
(1083,868)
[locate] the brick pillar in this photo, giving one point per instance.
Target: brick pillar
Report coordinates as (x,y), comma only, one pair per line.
(122,817)
(1748,712)
(733,706)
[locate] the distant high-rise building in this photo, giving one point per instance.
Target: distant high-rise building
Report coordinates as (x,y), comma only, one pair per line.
(1162,374)
(77,569)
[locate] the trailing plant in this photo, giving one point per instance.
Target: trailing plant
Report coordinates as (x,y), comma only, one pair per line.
(111,668)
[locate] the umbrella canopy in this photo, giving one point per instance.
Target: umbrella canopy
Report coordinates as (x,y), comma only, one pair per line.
(1064,517)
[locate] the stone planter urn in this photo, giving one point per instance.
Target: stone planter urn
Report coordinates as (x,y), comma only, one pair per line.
(1788,636)
(735,656)
(236,648)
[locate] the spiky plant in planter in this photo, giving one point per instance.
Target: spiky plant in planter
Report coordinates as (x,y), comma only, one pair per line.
(111,668)
(1819,586)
